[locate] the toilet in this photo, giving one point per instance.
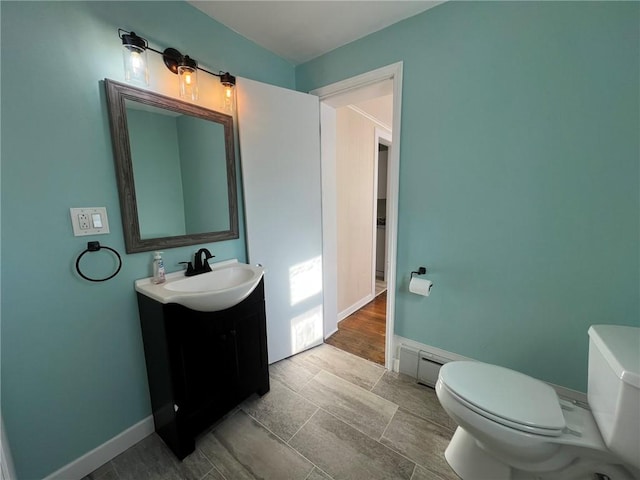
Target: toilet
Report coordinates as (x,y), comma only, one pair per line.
(515,427)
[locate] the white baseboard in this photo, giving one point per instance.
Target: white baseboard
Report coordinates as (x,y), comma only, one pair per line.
(100,455)
(355,307)
(450,356)
(565,392)
(330,333)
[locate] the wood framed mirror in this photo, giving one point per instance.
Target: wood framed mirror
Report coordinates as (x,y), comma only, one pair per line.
(175,169)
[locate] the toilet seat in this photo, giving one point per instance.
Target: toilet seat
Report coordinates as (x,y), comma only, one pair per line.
(505,396)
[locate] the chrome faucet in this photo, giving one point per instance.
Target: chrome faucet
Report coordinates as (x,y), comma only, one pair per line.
(199,265)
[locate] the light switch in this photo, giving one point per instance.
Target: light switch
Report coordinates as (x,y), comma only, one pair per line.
(89,221)
(96,218)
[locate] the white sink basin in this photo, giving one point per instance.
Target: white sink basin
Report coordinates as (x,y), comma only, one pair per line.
(225,286)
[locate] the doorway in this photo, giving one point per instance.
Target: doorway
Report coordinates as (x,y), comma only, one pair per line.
(363,140)
(351,93)
(301,293)
(383,146)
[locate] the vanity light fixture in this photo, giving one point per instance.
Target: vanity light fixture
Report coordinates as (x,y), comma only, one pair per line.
(229,83)
(134,54)
(136,70)
(188,78)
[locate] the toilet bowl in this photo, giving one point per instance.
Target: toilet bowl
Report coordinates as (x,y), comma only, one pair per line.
(512,426)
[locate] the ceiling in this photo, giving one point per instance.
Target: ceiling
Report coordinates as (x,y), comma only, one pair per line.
(305,29)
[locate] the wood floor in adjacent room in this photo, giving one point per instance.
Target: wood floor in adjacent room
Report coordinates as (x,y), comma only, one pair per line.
(363,333)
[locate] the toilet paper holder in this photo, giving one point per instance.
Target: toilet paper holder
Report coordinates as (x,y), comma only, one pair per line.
(420,271)
(420,286)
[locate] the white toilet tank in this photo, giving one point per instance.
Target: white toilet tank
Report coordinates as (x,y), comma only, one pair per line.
(614,387)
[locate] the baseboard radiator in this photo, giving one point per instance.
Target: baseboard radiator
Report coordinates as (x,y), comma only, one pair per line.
(421,365)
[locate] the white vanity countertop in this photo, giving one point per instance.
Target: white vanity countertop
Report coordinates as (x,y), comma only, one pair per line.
(180,273)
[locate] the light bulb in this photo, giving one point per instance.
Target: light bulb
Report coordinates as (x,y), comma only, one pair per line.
(134,54)
(135,65)
(136,61)
(188,79)
(228,82)
(227,102)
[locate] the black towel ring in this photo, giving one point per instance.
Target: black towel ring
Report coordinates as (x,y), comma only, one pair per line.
(94,247)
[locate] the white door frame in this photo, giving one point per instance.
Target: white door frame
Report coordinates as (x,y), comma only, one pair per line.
(393,72)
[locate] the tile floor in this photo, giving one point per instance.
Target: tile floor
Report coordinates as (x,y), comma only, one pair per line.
(329,415)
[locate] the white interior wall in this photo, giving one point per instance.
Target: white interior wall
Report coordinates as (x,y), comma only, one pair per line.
(379,108)
(355,208)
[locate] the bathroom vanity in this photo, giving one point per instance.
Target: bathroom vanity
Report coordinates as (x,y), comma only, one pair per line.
(202,364)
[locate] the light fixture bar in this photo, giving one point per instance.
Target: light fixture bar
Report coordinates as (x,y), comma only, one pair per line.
(185,67)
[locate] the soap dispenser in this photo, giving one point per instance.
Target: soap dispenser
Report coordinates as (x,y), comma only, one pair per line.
(158,268)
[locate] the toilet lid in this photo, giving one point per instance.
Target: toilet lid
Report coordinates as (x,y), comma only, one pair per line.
(506,396)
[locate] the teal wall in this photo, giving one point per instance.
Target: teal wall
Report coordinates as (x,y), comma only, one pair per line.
(519,175)
(519,190)
(73,372)
(157,175)
(204,174)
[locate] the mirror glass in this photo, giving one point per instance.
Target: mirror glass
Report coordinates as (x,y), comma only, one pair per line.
(176,170)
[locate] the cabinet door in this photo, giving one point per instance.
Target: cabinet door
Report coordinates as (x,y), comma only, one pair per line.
(205,365)
(251,355)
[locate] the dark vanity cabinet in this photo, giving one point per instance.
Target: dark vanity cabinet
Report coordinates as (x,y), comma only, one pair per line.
(200,365)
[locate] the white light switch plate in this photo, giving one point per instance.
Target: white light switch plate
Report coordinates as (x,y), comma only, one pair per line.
(89,221)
